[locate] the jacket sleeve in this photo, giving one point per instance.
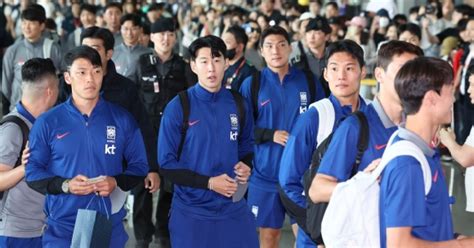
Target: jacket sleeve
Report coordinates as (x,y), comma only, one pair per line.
(37,175)
(261,135)
(135,155)
(296,156)
(168,140)
(246,139)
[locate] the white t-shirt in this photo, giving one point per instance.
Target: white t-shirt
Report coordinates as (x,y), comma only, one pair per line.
(470,177)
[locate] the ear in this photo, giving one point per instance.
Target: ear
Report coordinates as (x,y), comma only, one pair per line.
(325,74)
(42,26)
(431,98)
(67,77)
(379,73)
(193,66)
(226,64)
(363,72)
(109,54)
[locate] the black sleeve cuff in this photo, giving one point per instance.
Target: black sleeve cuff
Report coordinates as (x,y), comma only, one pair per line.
(248,160)
(51,185)
(186,178)
(127,182)
(263,135)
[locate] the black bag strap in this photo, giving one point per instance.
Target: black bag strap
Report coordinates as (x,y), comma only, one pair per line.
(183,97)
(25,131)
(303,57)
(363,140)
(311,86)
(255,88)
(239,101)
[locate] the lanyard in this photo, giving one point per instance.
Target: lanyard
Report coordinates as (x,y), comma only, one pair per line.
(236,72)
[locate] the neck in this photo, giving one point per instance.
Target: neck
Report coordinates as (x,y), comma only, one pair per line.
(85,106)
(236,58)
(350,100)
(33,40)
(418,124)
(212,90)
(392,109)
(33,107)
(130,44)
(318,52)
(281,71)
(164,56)
(114,30)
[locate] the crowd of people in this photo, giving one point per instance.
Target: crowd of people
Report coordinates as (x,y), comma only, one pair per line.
(220,107)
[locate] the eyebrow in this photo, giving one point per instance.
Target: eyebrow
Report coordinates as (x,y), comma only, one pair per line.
(270,43)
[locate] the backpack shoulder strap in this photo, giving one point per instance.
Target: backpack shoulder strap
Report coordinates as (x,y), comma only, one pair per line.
(311,86)
(363,139)
(184,99)
(255,88)
(47,44)
(25,131)
(327,118)
(405,148)
(239,101)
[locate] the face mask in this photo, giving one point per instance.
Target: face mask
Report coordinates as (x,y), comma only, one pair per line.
(231,53)
(383,22)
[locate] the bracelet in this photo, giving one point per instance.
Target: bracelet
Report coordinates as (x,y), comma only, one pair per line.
(209,184)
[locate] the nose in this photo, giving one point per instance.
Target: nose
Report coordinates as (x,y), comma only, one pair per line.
(211,66)
(341,74)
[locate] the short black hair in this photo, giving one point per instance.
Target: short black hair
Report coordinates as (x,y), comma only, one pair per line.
(82,52)
(34,12)
(134,18)
(464,9)
(215,43)
(400,17)
(333,4)
(395,47)
(419,76)
(36,69)
(346,46)
(462,24)
(411,28)
(113,5)
(239,34)
(414,10)
(50,24)
(89,8)
(99,33)
(274,30)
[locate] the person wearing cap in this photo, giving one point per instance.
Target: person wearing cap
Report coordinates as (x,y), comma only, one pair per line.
(235,40)
(161,75)
(308,53)
(379,27)
(126,55)
(34,45)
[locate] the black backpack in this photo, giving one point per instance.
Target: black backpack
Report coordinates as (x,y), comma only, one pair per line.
(255,88)
(310,218)
(184,99)
(25,131)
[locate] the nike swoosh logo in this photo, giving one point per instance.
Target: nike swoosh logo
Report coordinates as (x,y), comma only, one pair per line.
(435,177)
(264,103)
(60,136)
(380,147)
(192,123)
